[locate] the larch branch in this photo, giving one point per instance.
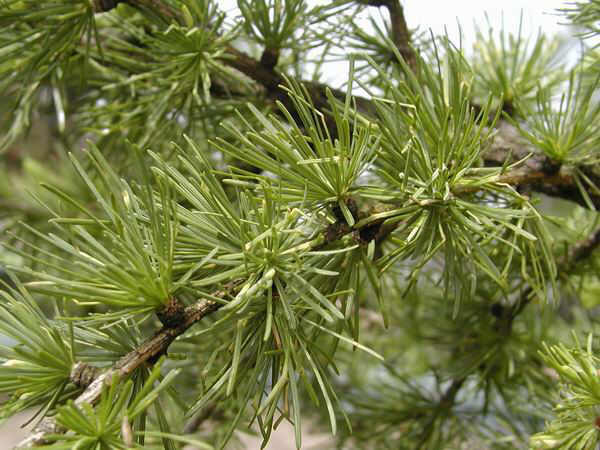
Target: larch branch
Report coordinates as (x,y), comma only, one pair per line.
(400,32)
(149,351)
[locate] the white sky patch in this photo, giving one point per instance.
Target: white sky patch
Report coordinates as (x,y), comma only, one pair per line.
(454,17)
(437,14)
(440,16)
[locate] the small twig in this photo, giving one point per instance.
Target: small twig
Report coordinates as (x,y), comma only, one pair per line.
(538,173)
(558,184)
(147,352)
(82,374)
(400,32)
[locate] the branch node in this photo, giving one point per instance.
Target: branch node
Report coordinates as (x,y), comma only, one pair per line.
(100,6)
(82,374)
(269,58)
(172,314)
(352,206)
(550,167)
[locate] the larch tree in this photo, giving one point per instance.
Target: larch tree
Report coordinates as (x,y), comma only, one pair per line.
(201,236)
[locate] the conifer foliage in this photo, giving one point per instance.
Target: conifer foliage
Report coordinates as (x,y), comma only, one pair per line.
(210,239)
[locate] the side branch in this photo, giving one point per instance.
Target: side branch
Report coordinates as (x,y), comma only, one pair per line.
(149,351)
(400,33)
(539,173)
(537,176)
